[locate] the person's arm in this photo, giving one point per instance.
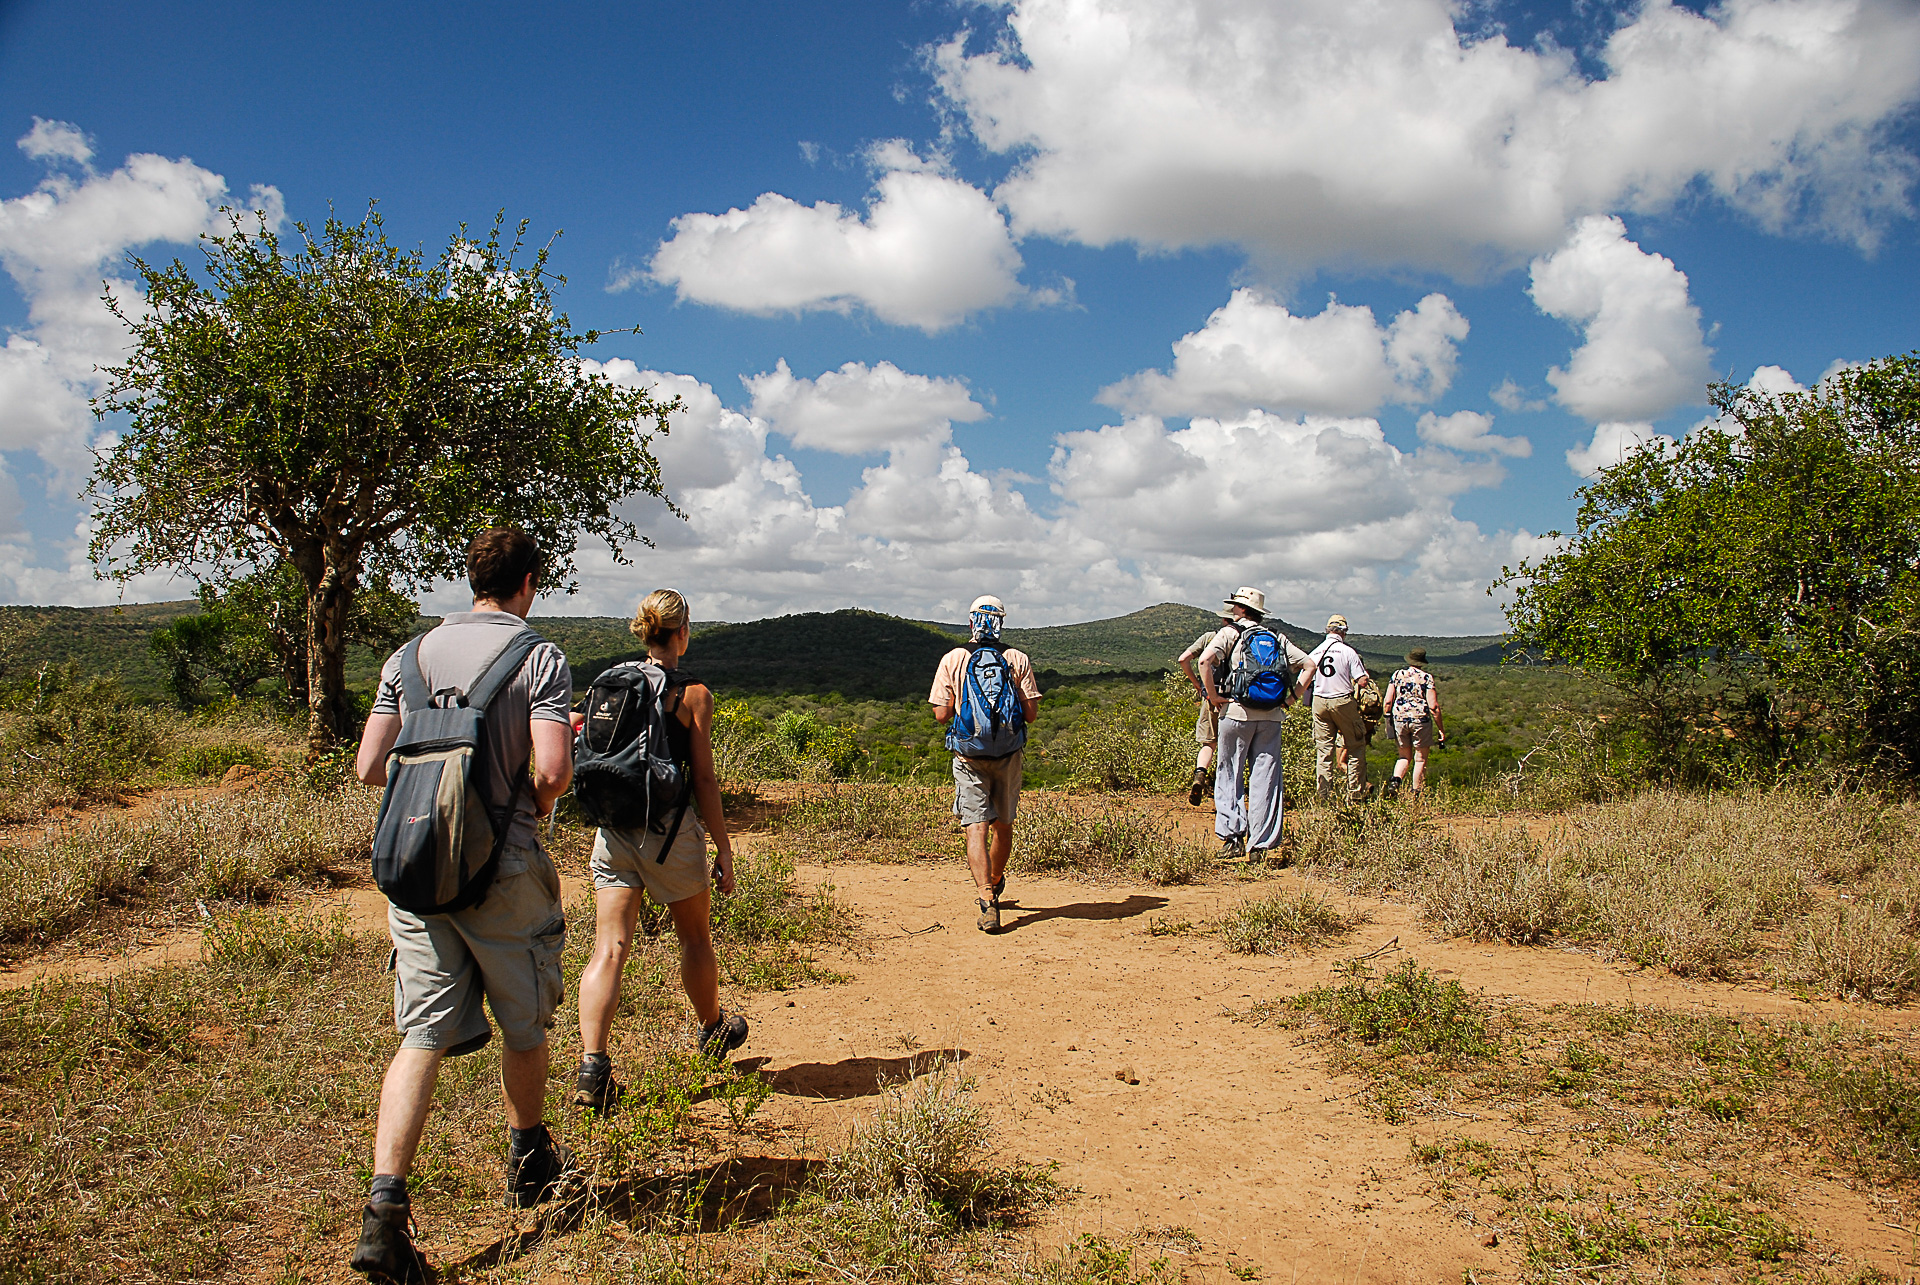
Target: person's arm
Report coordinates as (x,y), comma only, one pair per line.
(1027,687)
(943,693)
(1186,664)
(696,703)
(1433,703)
(1309,670)
(1393,690)
(552,766)
(376,742)
(1211,690)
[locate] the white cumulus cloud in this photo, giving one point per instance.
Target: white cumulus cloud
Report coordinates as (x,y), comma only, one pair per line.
(1323,131)
(1254,352)
(929,250)
(1612,442)
(1468,430)
(1643,353)
(56,140)
(859,409)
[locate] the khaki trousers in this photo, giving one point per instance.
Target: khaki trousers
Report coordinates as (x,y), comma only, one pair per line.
(1339,716)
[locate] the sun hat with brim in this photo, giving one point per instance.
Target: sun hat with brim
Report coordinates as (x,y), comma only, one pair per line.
(1337,623)
(1249,597)
(1418,656)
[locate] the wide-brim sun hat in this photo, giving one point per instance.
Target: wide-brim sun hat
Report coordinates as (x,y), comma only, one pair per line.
(1249,597)
(1337,623)
(1418,656)
(987,602)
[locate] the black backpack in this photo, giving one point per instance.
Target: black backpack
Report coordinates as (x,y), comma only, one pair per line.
(624,774)
(438,839)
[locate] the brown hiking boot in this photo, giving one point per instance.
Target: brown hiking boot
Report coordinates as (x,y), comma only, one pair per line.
(989,921)
(385,1253)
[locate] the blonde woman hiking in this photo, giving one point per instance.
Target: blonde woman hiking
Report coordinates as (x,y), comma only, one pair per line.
(664,856)
(1413,702)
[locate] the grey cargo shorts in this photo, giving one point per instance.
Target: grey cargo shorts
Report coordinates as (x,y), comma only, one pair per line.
(505,951)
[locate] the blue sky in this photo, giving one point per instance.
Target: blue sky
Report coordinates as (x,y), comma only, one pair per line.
(1546,226)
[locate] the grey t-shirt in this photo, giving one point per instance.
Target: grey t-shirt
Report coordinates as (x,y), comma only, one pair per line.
(453,655)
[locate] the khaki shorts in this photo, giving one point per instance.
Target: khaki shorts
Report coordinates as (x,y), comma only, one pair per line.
(1414,734)
(1206,728)
(986,789)
(506,950)
(627,859)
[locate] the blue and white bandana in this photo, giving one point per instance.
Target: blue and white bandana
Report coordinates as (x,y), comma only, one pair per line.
(985,625)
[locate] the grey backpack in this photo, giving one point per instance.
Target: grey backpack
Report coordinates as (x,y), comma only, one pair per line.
(437,842)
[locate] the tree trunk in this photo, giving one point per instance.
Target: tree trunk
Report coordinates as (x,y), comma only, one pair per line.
(330,714)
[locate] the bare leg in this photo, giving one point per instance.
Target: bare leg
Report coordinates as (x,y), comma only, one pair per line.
(1419,770)
(999,849)
(699,970)
(978,860)
(1203,761)
(1401,764)
(615,912)
(406,1095)
(523,1079)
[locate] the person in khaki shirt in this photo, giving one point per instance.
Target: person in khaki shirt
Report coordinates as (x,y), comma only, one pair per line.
(986,783)
(1206,728)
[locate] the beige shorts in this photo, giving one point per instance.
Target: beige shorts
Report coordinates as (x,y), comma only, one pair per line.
(1206,728)
(506,950)
(629,859)
(986,789)
(1414,734)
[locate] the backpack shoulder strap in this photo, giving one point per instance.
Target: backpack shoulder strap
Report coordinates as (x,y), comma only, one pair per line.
(505,665)
(413,683)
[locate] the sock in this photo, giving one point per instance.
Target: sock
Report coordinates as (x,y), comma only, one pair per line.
(596,1064)
(521,1141)
(388,1189)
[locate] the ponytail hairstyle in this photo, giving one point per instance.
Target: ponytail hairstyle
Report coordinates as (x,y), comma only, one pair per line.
(662,613)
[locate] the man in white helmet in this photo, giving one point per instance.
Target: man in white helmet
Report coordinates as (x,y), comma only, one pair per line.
(987,694)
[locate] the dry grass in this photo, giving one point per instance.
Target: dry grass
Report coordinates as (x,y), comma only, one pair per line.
(874,822)
(1103,838)
(1271,922)
(241,846)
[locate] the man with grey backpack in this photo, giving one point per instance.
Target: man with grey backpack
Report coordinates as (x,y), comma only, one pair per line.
(471,736)
(1248,673)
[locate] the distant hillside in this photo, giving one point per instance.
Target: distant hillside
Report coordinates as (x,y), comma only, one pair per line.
(858,654)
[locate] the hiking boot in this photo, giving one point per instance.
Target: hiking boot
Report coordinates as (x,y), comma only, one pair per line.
(1390,790)
(1233,849)
(385,1252)
(537,1175)
(728,1032)
(595,1088)
(1201,780)
(989,921)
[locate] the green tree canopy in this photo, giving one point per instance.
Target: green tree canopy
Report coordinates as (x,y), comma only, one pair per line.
(359,411)
(1777,551)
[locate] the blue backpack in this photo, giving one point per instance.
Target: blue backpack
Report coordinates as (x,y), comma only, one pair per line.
(1258,675)
(989,722)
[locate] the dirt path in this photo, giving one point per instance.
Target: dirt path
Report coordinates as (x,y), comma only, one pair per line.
(1234,1131)
(1109,1051)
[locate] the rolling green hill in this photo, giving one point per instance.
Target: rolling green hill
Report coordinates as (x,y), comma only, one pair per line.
(857,654)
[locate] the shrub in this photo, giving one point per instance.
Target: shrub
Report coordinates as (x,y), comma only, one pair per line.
(1370,849)
(248,938)
(1266,924)
(1406,1011)
(214,760)
(76,741)
(1143,745)
(888,822)
(1864,950)
(764,929)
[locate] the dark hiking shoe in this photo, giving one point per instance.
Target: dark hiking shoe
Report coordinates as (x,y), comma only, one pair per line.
(596,1089)
(1201,780)
(537,1175)
(1233,849)
(999,888)
(385,1253)
(728,1032)
(989,921)
(1390,790)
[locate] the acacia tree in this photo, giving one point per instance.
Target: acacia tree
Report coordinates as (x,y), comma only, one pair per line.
(1778,548)
(359,411)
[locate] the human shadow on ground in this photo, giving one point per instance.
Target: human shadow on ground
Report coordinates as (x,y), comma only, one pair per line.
(853,1077)
(736,1190)
(1137,904)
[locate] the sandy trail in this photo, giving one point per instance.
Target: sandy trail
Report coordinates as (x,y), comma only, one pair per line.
(1235,1132)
